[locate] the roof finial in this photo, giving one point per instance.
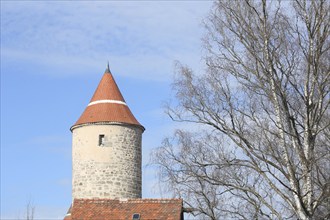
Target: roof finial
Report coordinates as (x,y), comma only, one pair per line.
(108,68)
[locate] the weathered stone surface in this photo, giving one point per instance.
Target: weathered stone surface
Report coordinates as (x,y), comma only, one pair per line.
(112,170)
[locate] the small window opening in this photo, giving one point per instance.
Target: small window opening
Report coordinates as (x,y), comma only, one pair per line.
(101,139)
(136,216)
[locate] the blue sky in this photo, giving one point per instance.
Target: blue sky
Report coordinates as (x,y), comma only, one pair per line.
(53,55)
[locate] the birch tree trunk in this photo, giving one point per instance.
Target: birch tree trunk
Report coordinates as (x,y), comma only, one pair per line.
(262,150)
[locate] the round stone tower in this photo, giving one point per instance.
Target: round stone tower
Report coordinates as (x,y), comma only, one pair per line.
(106,147)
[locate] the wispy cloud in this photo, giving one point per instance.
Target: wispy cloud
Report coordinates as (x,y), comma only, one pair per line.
(142,37)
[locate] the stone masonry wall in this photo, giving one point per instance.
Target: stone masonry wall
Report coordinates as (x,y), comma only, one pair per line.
(112,170)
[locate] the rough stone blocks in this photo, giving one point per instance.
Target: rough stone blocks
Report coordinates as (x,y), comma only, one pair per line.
(106,161)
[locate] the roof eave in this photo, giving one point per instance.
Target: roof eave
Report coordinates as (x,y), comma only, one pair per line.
(106,123)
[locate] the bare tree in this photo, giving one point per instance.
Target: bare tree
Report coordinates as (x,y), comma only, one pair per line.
(263,106)
(30,209)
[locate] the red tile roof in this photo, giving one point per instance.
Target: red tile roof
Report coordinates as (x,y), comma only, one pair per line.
(107,105)
(114,209)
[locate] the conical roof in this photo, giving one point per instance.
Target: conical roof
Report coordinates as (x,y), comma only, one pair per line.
(107,105)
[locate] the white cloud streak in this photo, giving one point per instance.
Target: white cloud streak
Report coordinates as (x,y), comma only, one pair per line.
(140,38)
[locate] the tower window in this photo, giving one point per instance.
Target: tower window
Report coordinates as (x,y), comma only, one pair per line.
(136,216)
(101,140)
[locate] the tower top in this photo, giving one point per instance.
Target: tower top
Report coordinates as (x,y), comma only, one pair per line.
(107,105)
(107,70)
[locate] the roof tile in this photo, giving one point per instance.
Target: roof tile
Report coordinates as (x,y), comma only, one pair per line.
(114,209)
(113,109)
